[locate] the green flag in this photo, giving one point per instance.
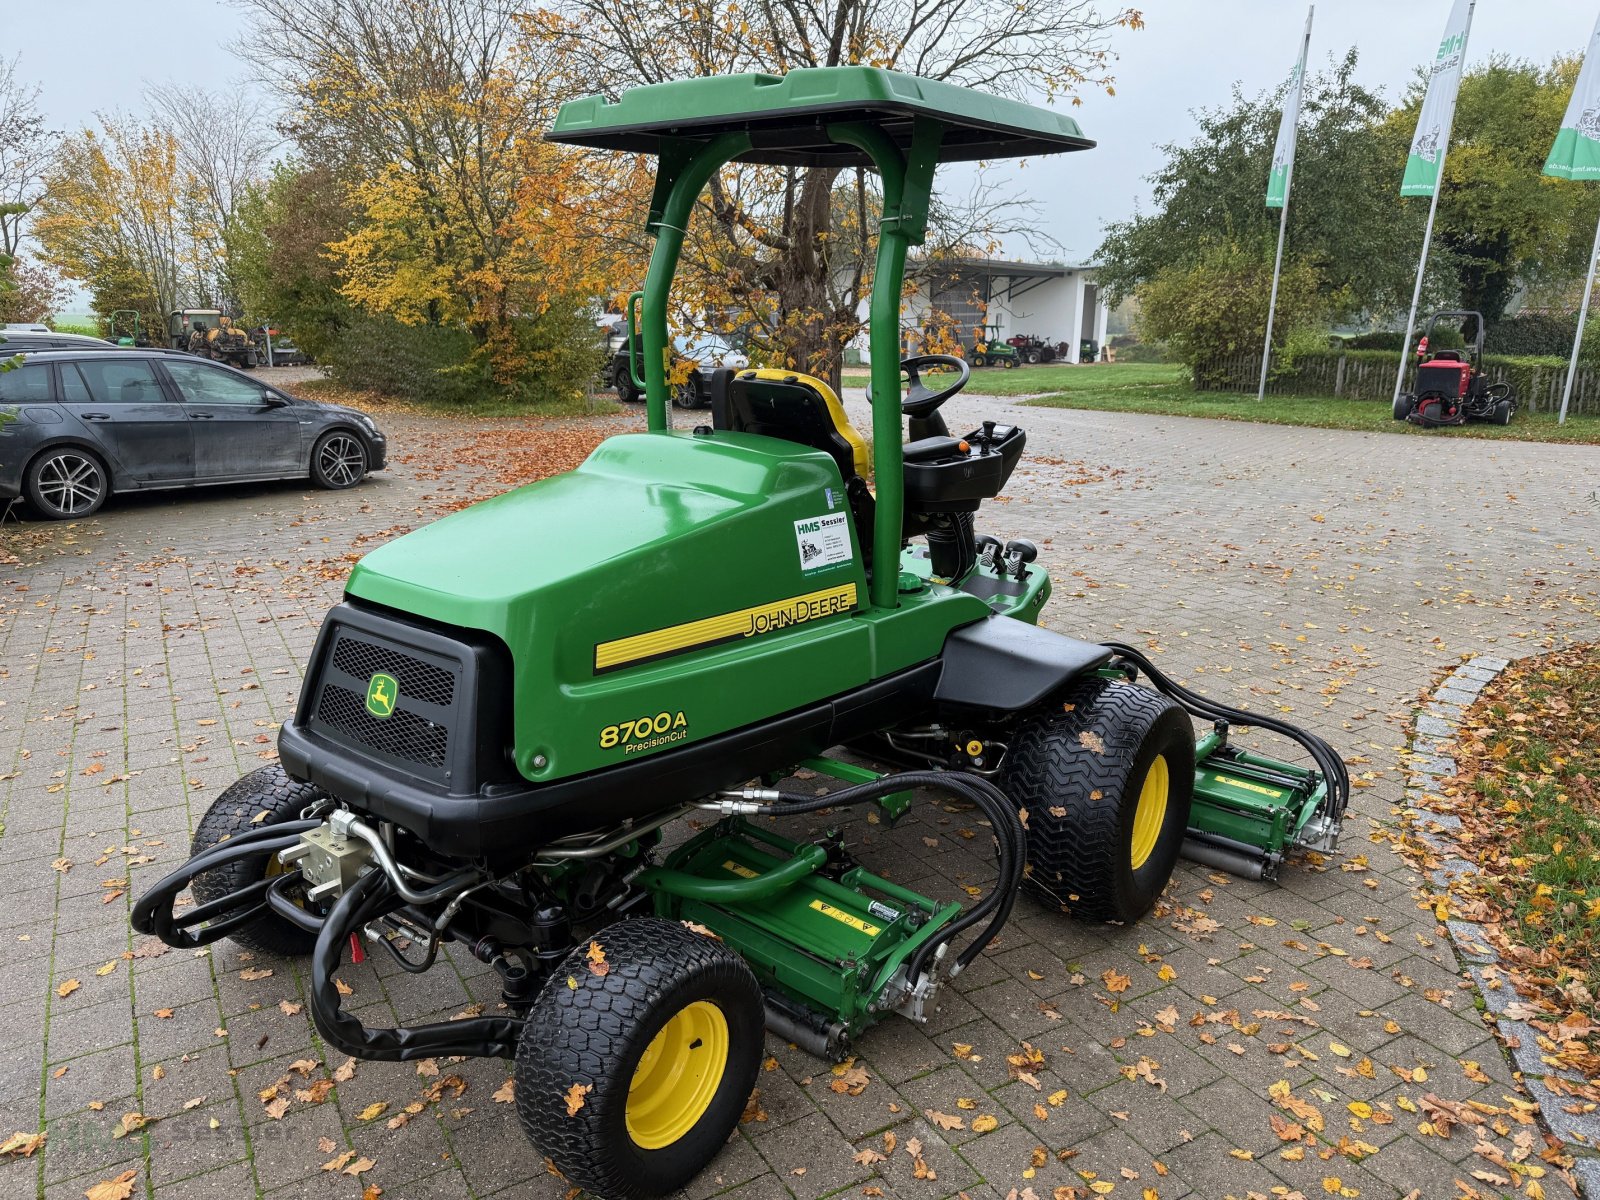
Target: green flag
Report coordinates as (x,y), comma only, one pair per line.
(1429,143)
(1288,129)
(1576,154)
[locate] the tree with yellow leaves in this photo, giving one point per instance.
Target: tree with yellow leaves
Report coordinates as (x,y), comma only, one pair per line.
(119,215)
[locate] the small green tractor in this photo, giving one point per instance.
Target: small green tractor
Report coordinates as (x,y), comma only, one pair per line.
(988,350)
(510,705)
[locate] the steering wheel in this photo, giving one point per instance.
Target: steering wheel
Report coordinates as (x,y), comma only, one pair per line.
(921,401)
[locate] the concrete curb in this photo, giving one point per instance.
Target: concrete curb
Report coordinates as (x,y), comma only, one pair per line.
(1430,764)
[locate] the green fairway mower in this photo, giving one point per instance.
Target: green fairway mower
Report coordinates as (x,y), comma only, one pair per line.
(512,703)
(989,351)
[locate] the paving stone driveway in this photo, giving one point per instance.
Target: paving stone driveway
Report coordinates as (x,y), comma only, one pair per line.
(146,657)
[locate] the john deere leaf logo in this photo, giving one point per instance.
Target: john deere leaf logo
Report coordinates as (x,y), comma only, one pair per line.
(382,691)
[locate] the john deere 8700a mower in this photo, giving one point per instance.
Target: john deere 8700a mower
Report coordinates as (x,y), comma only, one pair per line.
(510,704)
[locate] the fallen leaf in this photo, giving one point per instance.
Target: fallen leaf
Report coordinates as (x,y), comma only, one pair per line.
(575,1097)
(506,1093)
(22,1145)
(119,1188)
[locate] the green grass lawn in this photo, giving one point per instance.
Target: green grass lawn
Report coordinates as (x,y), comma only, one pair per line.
(1164,389)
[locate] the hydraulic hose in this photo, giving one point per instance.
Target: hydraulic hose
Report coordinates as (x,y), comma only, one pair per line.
(1326,757)
(153,912)
(1003,819)
(370,897)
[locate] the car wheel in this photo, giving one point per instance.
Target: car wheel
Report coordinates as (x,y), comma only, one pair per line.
(66,483)
(338,460)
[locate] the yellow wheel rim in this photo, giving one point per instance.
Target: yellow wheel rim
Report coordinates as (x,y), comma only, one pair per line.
(678,1076)
(1151,812)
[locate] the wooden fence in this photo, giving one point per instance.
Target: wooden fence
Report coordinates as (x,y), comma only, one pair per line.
(1365,376)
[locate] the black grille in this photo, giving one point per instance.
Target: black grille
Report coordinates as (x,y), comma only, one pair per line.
(402,735)
(418,680)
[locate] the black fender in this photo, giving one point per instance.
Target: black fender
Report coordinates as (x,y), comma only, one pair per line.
(1005,665)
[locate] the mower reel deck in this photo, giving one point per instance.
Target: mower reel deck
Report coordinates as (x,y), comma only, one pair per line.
(510,705)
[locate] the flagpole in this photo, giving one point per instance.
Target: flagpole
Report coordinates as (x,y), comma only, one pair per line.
(1283,216)
(1433,209)
(1583,316)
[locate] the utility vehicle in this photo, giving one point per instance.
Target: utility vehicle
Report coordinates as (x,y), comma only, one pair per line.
(1450,388)
(512,703)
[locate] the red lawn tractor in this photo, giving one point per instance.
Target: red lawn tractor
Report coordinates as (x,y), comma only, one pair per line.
(1450,388)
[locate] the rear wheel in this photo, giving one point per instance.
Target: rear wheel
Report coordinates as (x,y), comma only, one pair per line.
(1033,357)
(67,483)
(338,460)
(1501,414)
(979,360)
(1008,362)
(631,1081)
(238,810)
(1107,784)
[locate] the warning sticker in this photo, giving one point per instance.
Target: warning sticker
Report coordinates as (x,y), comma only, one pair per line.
(845,918)
(823,541)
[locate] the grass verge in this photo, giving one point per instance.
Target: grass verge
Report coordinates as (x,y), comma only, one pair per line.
(1164,390)
(1528,795)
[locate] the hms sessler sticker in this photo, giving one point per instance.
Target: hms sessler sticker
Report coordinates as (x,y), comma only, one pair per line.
(823,541)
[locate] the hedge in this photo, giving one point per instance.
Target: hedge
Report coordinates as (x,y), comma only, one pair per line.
(1369,375)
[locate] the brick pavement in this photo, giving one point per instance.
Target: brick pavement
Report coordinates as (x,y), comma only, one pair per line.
(147,655)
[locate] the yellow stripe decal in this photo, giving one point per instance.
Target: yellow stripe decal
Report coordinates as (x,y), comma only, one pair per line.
(743,872)
(850,919)
(746,622)
(1275,793)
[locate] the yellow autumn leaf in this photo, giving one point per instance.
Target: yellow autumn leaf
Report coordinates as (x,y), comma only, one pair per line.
(373,1111)
(985,1123)
(575,1097)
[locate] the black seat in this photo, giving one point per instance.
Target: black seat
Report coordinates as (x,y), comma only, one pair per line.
(797,408)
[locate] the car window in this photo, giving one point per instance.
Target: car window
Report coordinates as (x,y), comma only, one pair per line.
(210,385)
(73,389)
(25,385)
(121,381)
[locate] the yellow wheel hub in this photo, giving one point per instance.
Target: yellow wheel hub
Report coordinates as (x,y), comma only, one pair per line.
(1151,812)
(678,1076)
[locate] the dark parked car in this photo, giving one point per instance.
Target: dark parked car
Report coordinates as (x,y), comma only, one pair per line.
(88,423)
(27,341)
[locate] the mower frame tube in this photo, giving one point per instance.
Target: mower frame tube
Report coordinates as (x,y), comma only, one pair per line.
(808,861)
(1003,819)
(907,185)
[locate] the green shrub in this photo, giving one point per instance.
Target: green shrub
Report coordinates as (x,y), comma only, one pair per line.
(1531,333)
(555,355)
(1216,307)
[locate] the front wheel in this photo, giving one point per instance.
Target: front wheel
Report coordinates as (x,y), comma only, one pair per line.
(1107,783)
(266,796)
(632,1080)
(66,483)
(338,460)
(979,360)
(1404,405)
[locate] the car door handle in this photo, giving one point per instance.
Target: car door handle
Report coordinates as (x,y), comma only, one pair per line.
(200,416)
(95,416)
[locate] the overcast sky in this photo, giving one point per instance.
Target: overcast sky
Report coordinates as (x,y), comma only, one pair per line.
(90,55)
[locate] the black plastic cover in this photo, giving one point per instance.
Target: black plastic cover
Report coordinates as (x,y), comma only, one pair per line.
(1003,664)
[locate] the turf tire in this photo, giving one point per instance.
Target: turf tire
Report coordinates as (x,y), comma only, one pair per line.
(1404,405)
(1501,413)
(1081,801)
(234,812)
(593,1029)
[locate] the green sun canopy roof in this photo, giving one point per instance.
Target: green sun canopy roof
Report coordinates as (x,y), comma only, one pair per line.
(787,117)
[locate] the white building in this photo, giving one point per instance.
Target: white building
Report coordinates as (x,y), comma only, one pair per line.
(1055,302)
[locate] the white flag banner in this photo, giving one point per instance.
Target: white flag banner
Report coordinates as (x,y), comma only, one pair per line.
(1576,153)
(1288,129)
(1433,123)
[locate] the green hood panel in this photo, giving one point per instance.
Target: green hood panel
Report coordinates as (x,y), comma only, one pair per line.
(672,587)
